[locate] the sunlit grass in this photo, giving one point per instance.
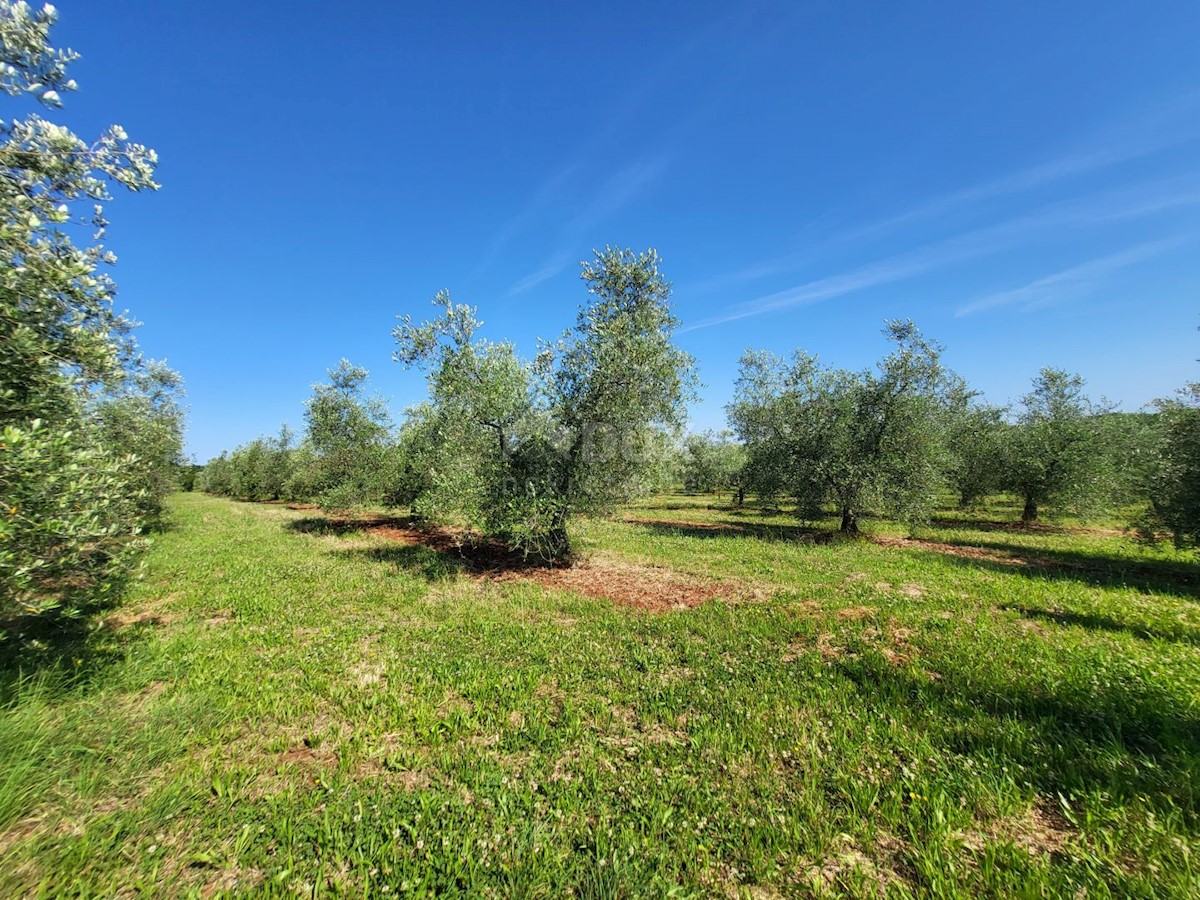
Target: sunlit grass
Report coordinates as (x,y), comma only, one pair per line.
(280,712)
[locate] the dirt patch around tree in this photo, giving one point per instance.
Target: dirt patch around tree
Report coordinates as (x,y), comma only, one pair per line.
(640,586)
(967,552)
(652,588)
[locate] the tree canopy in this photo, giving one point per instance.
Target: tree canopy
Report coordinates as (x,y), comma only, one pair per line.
(90,432)
(852,439)
(521,446)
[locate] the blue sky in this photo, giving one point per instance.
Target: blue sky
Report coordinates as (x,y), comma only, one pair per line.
(1020,179)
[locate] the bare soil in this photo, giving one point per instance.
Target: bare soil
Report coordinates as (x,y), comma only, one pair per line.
(645,587)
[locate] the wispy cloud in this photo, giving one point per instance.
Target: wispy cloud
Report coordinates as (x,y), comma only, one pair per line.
(533,279)
(892,269)
(538,201)
(1140,136)
(1126,203)
(1166,125)
(618,191)
(1069,282)
(628,115)
(615,123)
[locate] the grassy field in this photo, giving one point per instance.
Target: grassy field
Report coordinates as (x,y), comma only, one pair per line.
(286,708)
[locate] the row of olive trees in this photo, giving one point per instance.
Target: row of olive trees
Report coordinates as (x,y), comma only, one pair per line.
(514,449)
(347,458)
(893,439)
(1172,475)
(90,433)
(511,448)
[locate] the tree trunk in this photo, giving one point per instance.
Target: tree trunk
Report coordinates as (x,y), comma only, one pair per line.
(849,521)
(557,545)
(1030,513)
(741,496)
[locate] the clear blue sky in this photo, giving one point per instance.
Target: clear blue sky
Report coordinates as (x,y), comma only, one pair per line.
(1021,179)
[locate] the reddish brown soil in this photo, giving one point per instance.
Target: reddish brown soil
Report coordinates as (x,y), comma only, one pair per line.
(302,506)
(984,553)
(651,588)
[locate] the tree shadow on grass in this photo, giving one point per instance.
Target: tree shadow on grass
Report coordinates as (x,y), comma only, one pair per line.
(338,525)
(60,653)
(425,562)
(1147,575)
(1135,742)
(725,528)
(416,545)
(1104,623)
(1013,527)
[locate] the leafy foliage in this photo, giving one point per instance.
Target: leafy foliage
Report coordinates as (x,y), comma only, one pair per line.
(976,438)
(853,439)
(1055,456)
(1175,483)
(713,462)
(349,434)
(91,432)
(517,448)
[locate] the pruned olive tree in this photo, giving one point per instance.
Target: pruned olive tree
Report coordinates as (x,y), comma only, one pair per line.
(1054,454)
(141,416)
(976,437)
(714,462)
(856,440)
(524,446)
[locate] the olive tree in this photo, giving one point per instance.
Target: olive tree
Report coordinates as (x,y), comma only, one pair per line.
(71,497)
(1055,455)
(142,416)
(1174,485)
(349,434)
(713,462)
(526,445)
(857,440)
(976,437)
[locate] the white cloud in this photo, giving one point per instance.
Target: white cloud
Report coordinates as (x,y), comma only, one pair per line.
(1068,282)
(1133,202)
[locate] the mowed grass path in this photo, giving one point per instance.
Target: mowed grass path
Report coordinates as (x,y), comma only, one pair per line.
(278,712)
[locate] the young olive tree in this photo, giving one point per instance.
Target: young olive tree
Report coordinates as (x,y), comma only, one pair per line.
(856,440)
(714,462)
(1054,455)
(350,437)
(73,499)
(524,446)
(142,417)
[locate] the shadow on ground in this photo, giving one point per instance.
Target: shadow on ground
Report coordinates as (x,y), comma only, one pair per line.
(336,525)
(1131,740)
(66,652)
(434,551)
(1148,575)
(725,528)
(1093,622)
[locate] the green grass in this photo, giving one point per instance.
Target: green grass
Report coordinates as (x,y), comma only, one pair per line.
(279,712)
